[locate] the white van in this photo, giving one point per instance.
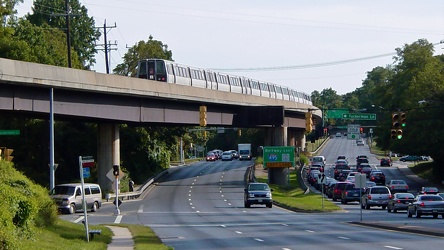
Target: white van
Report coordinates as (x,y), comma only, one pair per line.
(68,197)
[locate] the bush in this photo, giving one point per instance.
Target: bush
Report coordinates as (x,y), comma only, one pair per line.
(25,205)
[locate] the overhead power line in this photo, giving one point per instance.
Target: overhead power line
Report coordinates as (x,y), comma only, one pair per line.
(307,66)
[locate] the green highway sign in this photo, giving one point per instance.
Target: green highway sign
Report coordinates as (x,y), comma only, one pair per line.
(9,132)
(359,116)
(335,113)
(278,157)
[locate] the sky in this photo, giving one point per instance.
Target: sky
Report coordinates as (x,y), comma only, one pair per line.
(306,45)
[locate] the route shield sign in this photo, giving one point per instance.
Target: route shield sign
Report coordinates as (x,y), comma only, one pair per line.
(278,157)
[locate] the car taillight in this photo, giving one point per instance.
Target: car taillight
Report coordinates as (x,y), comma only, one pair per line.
(373,178)
(393,187)
(390,196)
(398,201)
(422,204)
(369,197)
(407,187)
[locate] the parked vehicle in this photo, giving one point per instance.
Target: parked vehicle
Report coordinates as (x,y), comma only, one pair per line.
(400,201)
(244,151)
(385,162)
(258,193)
(68,197)
(398,186)
(411,158)
(429,190)
(430,204)
(376,196)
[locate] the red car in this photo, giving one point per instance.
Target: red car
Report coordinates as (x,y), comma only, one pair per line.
(211,157)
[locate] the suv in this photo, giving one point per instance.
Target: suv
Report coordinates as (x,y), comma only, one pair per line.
(258,193)
(337,190)
(376,196)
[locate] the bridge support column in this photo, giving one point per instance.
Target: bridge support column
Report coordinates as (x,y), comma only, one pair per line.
(277,136)
(108,153)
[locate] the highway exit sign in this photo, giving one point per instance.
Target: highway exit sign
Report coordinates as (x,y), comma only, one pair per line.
(359,116)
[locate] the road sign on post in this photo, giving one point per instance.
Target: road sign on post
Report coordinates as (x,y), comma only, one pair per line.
(278,157)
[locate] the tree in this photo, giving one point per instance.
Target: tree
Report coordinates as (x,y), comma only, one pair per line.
(142,50)
(82,27)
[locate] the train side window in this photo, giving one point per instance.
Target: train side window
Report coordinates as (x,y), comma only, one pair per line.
(278,89)
(170,69)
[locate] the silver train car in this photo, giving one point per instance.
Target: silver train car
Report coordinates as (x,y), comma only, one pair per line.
(176,73)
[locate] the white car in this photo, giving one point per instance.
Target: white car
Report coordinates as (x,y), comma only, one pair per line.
(227,156)
(360,142)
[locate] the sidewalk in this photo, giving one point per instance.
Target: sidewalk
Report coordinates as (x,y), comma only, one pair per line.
(122,239)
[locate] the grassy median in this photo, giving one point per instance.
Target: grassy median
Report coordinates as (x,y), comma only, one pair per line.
(294,198)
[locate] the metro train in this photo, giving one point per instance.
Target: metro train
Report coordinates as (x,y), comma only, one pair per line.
(172,72)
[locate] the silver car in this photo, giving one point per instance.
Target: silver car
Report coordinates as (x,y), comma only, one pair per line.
(376,196)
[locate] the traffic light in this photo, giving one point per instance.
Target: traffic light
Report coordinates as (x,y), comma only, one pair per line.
(396,120)
(361,130)
(203,116)
(399,134)
(308,122)
(393,134)
(7,154)
(403,118)
(116,170)
(396,134)
(239,132)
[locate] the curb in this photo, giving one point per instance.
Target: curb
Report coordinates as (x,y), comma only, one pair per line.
(401,228)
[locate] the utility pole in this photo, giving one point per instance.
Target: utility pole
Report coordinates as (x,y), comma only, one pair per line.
(107,46)
(68,37)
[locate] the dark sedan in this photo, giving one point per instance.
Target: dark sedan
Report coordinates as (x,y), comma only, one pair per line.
(429,204)
(385,162)
(377,177)
(429,190)
(410,158)
(400,201)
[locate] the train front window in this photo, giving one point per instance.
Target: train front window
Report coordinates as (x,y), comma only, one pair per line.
(142,72)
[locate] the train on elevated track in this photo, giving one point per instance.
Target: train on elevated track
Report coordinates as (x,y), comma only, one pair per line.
(175,73)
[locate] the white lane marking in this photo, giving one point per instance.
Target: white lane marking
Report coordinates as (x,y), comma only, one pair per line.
(222,195)
(118,219)
(191,203)
(285,225)
(310,231)
(223,226)
(257,239)
(190,191)
(189,194)
(286,248)
(79,219)
(140,209)
(189,199)
(344,238)
(238,232)
(229,204)
(391,247)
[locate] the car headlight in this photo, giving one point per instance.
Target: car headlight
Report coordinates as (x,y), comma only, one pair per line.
(251,195)
(268,195)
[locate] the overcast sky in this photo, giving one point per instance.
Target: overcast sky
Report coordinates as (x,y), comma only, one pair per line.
(297,37)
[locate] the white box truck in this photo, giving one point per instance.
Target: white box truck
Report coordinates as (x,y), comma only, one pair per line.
(244,151)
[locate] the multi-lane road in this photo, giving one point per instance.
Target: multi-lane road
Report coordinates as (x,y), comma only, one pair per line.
(201,207)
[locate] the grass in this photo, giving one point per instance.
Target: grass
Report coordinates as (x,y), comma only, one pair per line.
(68,235)
(293,198)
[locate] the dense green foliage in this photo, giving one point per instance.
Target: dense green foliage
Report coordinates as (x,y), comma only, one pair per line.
(413,84)
(25,207)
